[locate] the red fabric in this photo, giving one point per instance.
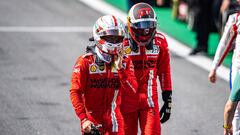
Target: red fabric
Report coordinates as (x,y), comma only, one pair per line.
(150,121)
(92,91)
(131,123)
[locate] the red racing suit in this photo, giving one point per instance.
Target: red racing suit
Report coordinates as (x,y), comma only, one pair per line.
(148,64)
(96,92)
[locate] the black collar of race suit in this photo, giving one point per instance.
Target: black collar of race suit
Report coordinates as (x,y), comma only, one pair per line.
(91,49)
(134,45)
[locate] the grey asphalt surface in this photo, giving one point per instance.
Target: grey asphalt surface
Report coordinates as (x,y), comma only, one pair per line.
(35,71)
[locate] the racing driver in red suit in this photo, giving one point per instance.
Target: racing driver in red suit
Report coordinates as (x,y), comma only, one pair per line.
(100,76)
(149,52)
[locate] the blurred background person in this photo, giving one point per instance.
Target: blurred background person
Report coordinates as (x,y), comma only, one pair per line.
(163,3)
(228,7)
(133,2)
(202,10)
(180,9)
(217,15)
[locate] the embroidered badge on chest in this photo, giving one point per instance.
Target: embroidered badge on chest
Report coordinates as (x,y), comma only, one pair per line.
(128,51)
(154,51)
(94,68)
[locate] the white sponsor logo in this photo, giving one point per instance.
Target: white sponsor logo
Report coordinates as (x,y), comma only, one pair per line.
(155,50)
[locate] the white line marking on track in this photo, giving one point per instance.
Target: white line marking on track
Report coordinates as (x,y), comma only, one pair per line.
(45,29)
(201,61)
(174,45)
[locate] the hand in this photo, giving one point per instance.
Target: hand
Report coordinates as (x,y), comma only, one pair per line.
(160,2)
(86,126)
(227,132)
(118,60)
(212,76)
(165,111)
(224,6)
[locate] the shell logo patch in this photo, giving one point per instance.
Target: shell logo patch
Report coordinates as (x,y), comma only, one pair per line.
(93,68)
(127,50)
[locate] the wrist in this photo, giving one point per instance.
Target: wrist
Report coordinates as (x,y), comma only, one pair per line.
(119,68)
(167,96)
(84,120)
(227,127)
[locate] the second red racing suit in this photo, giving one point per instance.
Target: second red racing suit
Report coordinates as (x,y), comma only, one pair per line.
(148,64)
(96,92)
